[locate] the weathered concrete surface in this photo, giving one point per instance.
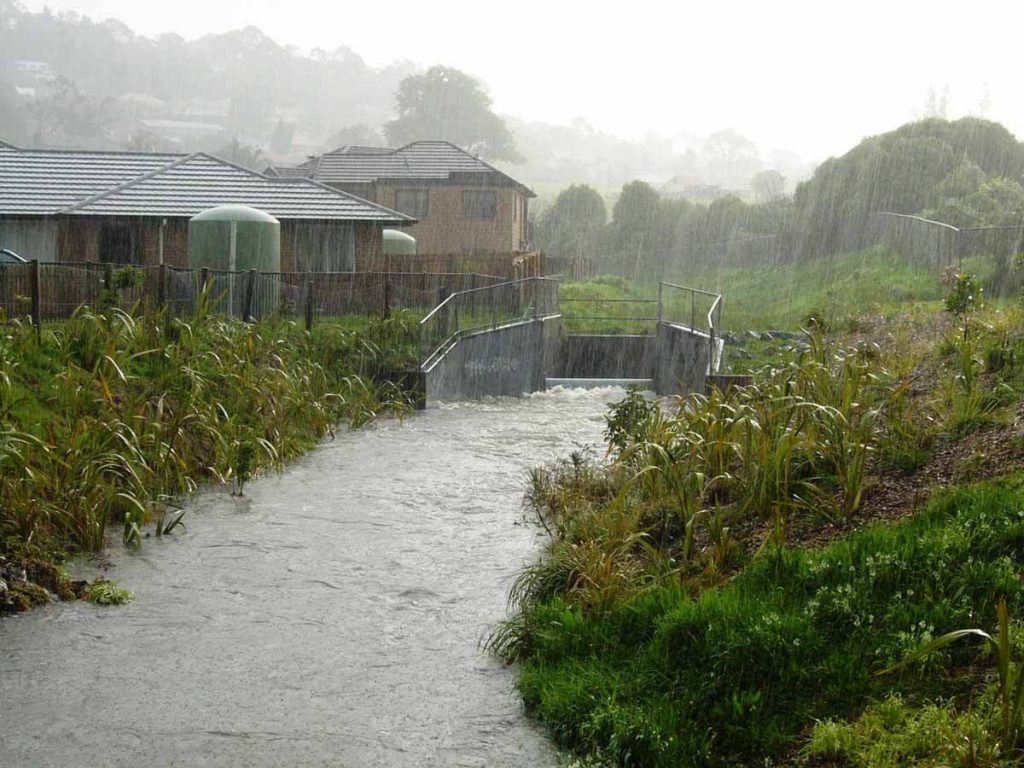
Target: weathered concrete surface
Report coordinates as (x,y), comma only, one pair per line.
(683,359)
(518,358)
(510,360)
(607,357)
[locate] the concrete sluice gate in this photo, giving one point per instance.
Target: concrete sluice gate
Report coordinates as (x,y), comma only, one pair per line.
(533,355)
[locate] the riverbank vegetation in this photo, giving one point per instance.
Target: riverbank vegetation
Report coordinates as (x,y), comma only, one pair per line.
(108,419)
(728,585)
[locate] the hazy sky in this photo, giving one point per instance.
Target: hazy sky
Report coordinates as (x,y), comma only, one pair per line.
(813,77)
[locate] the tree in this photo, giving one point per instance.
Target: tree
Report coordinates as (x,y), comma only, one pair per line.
(444,103)
(281,138)
(360,135)
(634,218)
(573,225)
(245,155)
(730,159)
(66,115)
(767,185)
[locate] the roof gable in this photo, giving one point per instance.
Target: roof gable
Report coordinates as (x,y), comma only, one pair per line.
(50,182)
(42,181)
(194,183)
(420,160)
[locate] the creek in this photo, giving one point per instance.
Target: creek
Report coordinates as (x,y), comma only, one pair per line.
(331,617)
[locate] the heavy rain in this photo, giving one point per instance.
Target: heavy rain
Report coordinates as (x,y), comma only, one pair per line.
(541,385)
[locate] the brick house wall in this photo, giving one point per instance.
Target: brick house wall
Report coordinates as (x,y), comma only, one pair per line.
(446,229)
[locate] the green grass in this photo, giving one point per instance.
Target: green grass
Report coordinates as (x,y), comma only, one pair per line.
(738,674)
(779,297)
(874,281)
(607,296)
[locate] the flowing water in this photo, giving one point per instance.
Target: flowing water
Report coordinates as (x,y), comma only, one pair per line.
(331,618)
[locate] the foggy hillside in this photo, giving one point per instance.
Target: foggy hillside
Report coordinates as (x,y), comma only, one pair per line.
(68,81)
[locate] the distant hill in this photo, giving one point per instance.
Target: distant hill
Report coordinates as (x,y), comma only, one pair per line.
(242,81)
(965,172)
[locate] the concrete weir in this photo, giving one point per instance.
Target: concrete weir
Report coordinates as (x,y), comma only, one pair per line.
(532,355)
(511,359)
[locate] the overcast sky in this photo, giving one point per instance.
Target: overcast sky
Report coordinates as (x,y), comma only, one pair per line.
(813,77)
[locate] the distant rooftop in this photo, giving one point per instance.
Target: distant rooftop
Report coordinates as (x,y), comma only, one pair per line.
(74,182)
(420,160)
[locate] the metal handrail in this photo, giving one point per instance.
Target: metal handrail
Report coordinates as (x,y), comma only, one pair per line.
(453,297)
(714,315)
(609,301)
(692,290)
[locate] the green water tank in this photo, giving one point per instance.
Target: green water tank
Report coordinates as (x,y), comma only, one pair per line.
(398,243)
(235,239)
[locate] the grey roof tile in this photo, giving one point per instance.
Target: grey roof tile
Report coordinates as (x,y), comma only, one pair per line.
(420,160)
(128,184)
(47,181)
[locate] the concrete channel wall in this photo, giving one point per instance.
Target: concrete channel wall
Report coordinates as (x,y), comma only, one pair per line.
(513,359)
(516,359)
(682,359)
(607,357)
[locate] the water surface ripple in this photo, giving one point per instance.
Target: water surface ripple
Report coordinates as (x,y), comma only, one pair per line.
(332,618)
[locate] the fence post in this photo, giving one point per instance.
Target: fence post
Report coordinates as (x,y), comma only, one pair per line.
(108,295)
(161,285)
(37,299)
(661,292)
(250,287)
(693,311)
(309,304)
(387,298)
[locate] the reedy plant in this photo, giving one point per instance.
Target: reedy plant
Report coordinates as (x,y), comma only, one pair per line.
(1010,672)
(139,409)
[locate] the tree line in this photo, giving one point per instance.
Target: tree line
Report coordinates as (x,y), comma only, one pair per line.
(965,172)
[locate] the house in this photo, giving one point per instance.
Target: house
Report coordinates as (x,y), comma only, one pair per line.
(134,208)
(462,205)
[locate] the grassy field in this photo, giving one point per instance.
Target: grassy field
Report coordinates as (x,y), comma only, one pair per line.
(780,297)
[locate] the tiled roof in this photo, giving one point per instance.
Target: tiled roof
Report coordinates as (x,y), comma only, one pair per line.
(126,184)
(40,181)
(282,172)
(421,160)
(7,146)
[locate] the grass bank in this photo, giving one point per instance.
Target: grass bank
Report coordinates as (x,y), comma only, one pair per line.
(723,588)
(874,281)
(110,417)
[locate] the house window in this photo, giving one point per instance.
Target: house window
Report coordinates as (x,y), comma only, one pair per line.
(115,244)
(480,204)
(413,202)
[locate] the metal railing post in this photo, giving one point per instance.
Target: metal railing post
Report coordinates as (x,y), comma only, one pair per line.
(693,311)
(661,292)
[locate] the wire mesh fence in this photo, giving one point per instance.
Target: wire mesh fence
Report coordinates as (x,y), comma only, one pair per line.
(53,291)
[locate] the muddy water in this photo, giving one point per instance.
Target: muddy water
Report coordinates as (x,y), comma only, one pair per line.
(330,619)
